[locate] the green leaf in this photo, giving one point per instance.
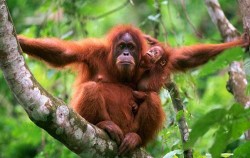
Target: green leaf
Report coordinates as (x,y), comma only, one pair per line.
(164,2)
(154,18)
(239,122)
(221,140)
(239,127)
(236,110)
(172,154)
(204,124)
(226,155)
(242,151)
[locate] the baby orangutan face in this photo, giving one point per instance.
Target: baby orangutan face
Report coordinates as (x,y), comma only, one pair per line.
(152,56)
(155,53)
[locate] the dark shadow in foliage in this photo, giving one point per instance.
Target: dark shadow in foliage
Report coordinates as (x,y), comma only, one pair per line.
(24,150)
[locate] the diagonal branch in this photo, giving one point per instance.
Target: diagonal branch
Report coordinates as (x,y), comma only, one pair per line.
(44,110)
(182,123)
(197,33)
(227,30)
(111,11)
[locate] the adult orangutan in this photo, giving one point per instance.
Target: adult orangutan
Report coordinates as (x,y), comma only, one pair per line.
(114,59)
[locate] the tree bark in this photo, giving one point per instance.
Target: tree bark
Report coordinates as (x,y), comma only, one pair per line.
(244,6)
(44,110)
(227,30)
(182,123)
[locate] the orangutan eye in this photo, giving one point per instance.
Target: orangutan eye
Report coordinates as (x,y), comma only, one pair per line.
(163,62)
(131,46)
(122,46)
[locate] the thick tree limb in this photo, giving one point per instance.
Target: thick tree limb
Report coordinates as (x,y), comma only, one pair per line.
(237,83)
(227,30)
(48,112)
(244,8)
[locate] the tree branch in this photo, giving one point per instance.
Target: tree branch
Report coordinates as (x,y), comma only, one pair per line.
(237,83)
(48,112)
(157,23)
(197,33)
(182,123)
(111,11)
(227,30)
(244,8)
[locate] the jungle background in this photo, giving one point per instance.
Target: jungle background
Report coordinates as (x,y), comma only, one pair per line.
(182,22)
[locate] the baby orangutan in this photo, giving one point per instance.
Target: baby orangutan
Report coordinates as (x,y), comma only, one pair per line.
(151,76)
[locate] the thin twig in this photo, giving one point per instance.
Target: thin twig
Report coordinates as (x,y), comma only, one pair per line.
(171,23)
(156,23)
(164,29)
(110,12)
(157,26)
(197,33)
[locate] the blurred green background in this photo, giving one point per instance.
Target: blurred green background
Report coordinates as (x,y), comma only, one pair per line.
(202,89)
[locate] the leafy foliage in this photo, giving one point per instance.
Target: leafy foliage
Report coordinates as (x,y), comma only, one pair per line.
(242,151)
(230,125)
